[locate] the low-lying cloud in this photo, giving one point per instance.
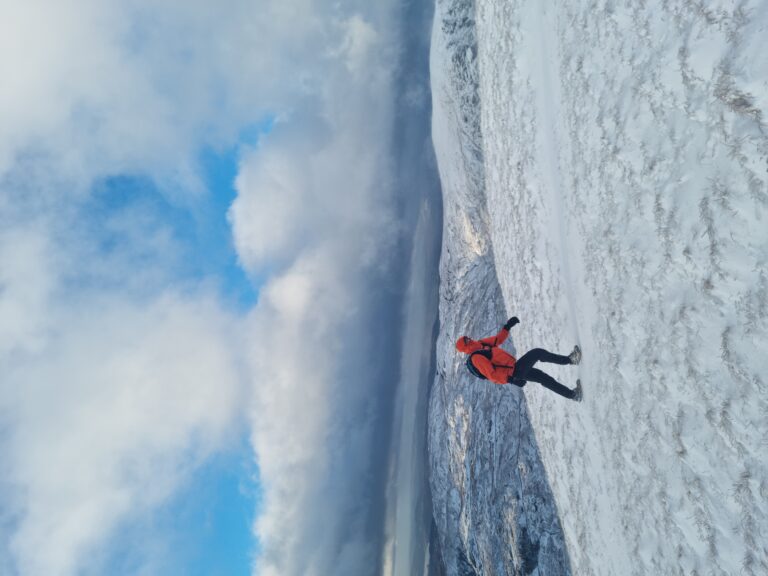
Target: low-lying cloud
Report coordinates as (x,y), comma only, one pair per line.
(317,207)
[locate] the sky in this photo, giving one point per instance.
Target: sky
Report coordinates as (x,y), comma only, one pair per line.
(206,218)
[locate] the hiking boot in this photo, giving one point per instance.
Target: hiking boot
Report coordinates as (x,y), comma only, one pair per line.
(575,356)
(577,392)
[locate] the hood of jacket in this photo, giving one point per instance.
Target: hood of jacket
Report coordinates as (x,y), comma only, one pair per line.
(466,345)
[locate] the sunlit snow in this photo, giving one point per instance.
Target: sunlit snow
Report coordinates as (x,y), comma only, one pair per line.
(617,191)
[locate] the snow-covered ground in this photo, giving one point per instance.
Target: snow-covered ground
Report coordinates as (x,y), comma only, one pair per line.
(619,198)
(492,505)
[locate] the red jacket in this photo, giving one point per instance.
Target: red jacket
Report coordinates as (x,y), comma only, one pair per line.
(500,366)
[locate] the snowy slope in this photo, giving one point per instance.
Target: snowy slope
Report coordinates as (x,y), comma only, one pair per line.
(624,204)
(492,505)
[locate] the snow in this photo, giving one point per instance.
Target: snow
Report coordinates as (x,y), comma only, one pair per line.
(492,505)
(615,195)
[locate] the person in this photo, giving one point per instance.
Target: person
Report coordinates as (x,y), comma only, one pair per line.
(487,360)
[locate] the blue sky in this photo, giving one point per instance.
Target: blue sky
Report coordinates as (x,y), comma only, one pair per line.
(209,523)
(200,228)
(204,530)
(214,245)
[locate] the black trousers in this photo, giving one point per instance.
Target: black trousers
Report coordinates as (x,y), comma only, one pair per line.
(525,372)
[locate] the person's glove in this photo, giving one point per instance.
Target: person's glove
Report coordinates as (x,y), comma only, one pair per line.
(511,322)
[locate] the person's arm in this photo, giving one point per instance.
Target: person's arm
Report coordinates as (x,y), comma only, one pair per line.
(502,335)
(496,340)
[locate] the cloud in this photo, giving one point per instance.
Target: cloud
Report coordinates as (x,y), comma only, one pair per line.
(26,281)
(360,38)
(123,87)
(121,378)
(316,207)
(109,398)
(118,377)
(273,224)
(105,418)
(312,423)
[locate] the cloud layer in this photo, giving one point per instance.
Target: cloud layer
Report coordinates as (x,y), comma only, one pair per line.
(316,206)
(119,378)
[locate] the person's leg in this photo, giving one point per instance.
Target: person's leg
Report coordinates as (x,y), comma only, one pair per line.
(527,360)
(547,381)
(551,357)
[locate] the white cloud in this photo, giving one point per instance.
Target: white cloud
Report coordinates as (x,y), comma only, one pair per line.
(311,458)
(106,418)
(26,280)
(360,38)
(127,394)
(272,225)
(97,87)
(316,207)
